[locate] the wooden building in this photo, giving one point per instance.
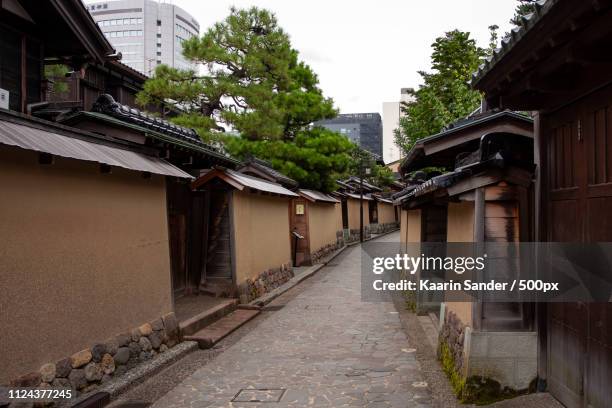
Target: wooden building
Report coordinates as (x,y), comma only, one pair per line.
(487,197)
(351,201)
(558,64)
(84,221)
(382,215)
(317,218)
(249,230)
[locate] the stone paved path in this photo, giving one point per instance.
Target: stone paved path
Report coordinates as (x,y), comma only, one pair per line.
(324,348)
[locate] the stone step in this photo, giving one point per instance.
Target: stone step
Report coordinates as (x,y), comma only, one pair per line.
(201,320)
(212,334)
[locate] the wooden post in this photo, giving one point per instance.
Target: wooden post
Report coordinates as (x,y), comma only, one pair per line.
(361,207)
(479,237)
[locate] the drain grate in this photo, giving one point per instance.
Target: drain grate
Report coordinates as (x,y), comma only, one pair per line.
(133,404)
(274,308)
(317,307)
(259,395)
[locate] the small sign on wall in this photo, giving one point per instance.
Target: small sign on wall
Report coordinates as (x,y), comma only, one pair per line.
(4,99)
(299,209)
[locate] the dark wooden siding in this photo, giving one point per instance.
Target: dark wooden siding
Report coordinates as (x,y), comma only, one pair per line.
(577,192)
(502,223)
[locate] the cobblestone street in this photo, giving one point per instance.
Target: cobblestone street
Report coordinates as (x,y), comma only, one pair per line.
(323,348)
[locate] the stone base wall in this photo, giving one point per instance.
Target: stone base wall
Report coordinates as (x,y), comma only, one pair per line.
(452,336)
(316,256)
(509,358)
(383,228)
(264,283)
(484,367)
(87,369)
(353,234)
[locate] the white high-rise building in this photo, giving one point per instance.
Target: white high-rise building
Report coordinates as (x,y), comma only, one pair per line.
(146,32)
(391,116)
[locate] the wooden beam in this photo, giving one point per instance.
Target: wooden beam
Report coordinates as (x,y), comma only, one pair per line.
(474,182)
(479,214)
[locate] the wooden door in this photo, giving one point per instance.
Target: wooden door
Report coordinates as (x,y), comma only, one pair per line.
(373,212)
(345,213)
(299,224)
(578,199)
(219,242)
(178,200)
(177,226)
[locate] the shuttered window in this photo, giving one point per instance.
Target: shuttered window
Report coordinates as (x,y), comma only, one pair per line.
(10,66)
(12,47)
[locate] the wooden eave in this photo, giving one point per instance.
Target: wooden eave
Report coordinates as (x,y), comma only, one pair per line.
(216,174)
(441,150)
(69,33)
(564,56)
(513,175)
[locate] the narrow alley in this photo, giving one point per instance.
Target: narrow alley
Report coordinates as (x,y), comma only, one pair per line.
(352,354)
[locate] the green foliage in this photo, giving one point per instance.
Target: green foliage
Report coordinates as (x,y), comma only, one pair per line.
(445,95)
(57,74)
(448,365)
(361,159)
(524,8)
(493,36)
(476,390)
(251,82)
(382,176)
(315,158)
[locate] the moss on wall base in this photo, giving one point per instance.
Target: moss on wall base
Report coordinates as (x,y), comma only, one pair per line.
(474,389)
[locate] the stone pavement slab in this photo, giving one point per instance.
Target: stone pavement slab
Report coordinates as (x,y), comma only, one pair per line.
(211,334)
(324,348)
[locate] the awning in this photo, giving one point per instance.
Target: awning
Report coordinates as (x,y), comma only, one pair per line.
(239,181)
(30,138)
(313,195)
(383,200)
(357,196)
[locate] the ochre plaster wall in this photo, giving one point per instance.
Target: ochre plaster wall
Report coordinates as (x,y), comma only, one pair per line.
(386,213)
(84,256)
(461,229)
(353,213)
(261,233)
(322,224)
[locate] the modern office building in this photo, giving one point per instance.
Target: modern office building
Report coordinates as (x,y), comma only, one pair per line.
(364,129)
(146,32)
(391,116)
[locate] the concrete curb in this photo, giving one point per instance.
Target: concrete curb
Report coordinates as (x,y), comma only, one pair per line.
(268,297)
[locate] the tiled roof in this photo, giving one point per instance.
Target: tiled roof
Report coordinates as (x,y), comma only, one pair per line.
(240,181)
(42,136)
(459,125)
(106,107)
(267,168)
(355,180)
(313,195)
(542,7)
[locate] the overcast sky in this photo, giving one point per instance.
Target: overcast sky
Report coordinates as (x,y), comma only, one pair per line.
(364,51)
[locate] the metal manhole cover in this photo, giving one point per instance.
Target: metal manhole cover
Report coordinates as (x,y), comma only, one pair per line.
(259,395)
